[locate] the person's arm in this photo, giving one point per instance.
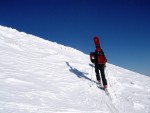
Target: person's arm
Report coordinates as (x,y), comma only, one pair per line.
(92,57)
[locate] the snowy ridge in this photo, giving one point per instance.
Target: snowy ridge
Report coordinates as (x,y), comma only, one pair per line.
(39,76)
(13,34)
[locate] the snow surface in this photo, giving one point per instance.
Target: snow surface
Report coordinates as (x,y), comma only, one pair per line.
(39,76)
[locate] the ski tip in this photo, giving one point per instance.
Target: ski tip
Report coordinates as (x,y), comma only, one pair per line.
(106,91)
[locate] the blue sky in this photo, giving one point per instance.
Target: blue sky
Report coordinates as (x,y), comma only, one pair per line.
(122,25)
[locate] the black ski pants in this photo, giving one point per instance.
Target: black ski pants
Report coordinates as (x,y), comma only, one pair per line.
(100,67)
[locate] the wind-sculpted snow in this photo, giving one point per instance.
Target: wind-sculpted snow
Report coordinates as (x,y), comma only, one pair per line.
(39,76)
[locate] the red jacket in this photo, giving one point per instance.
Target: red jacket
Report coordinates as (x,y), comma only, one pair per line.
(98,57)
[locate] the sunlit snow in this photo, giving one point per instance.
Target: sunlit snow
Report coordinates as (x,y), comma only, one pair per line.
(40,76)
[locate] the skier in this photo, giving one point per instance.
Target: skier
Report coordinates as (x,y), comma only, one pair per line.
(99,59)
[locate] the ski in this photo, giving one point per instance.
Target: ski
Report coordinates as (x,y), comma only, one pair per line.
(106,91)
(99,85)
(96,41)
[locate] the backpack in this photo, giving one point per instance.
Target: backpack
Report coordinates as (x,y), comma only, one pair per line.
(101,57)
(98,57)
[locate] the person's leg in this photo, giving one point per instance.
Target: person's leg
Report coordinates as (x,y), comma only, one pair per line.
(97,73)
(103,76)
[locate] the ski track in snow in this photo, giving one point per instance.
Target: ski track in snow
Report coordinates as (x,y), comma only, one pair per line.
(39,76)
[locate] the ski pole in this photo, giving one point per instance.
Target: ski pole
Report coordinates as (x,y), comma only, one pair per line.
(91,77)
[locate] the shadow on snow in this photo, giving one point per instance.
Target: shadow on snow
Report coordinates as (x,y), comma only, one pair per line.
(77,72)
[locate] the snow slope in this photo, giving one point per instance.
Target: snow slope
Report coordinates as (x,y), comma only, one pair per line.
(39,76)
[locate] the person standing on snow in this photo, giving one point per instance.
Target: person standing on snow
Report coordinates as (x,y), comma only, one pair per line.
(99,59)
